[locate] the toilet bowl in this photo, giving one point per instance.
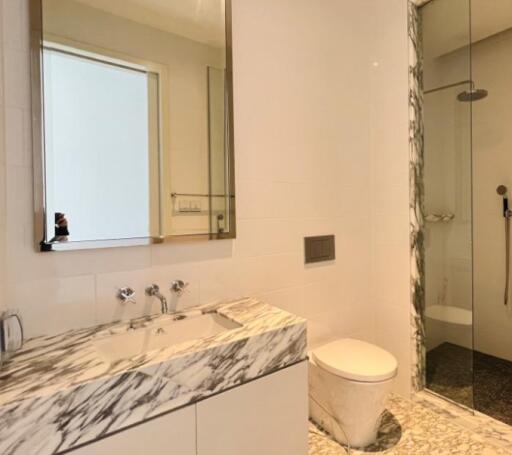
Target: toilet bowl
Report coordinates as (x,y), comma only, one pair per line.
(349,382)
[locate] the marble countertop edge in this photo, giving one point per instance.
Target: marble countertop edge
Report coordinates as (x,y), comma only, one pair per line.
(271,319)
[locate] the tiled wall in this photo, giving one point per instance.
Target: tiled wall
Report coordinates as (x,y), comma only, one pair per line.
(3,216)
(317,152)
(390,186)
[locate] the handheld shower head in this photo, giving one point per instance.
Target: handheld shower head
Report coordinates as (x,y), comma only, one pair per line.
(502,190)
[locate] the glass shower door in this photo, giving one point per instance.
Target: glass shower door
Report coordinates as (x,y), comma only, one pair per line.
(448,199)
(492,176)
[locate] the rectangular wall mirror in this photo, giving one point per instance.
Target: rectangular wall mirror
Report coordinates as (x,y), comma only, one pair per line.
(133,130)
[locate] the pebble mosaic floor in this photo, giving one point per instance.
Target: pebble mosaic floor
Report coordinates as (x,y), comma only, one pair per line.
(425,426)
(472,378)
(450,373)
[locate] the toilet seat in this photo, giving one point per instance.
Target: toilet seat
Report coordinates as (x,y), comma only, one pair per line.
(356,360)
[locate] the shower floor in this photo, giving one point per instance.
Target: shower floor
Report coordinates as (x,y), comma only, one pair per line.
(472,378)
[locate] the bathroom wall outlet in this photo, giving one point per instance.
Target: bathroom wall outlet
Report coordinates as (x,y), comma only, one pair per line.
(188,206)
(184,206)
(195,206)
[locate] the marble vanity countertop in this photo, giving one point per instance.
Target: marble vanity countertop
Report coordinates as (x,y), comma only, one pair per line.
(58,393)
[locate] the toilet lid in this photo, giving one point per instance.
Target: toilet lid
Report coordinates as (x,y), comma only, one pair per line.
(356,360)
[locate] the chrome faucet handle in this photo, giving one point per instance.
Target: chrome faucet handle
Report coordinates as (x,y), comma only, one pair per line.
(152,290)
(126,295)
(178,287)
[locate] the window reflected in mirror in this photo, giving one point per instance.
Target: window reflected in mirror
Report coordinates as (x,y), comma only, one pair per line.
(99,146)
(136,109)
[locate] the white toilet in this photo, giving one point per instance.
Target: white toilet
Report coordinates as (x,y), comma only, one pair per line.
(349,382)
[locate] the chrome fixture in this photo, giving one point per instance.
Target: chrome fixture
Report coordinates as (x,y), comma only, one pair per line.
(11,334)
(178,287)
(175,195)
(507,214)
(220,221)
(502,191)
(126,295)
(473,94)
(154,291)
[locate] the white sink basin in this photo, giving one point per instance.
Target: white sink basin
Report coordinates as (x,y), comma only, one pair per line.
(161,333)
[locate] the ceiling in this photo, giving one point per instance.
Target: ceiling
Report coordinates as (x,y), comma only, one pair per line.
(446,23)
(198,20)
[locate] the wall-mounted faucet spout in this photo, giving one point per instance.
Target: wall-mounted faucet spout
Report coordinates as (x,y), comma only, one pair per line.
(154,291)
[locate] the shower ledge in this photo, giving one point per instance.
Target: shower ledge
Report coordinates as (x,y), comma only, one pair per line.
(450,314)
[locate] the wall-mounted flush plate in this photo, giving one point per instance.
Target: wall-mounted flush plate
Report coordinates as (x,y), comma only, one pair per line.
(320,248)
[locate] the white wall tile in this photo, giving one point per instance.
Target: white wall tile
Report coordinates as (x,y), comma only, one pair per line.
(266,236)
(3,188)
(17,137)
(390,267)
(393,329)
(59,303)
(16,78)
(216,281)
(15,34)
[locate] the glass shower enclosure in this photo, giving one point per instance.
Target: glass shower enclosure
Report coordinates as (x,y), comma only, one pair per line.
(467,113)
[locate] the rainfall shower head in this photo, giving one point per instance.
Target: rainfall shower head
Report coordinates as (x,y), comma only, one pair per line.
(474,94)
(501,190)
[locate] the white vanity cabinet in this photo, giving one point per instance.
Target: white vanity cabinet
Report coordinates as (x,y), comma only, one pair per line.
(170,434)
(265,416)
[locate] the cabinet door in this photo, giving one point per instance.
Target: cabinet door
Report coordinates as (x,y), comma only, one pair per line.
(171,434)
(267,416)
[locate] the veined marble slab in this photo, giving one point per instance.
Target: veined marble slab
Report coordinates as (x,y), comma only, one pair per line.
(421,427)
(481,425)
(416,195)
(57,393)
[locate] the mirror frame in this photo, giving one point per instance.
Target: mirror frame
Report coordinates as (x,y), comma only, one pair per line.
(38,151)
